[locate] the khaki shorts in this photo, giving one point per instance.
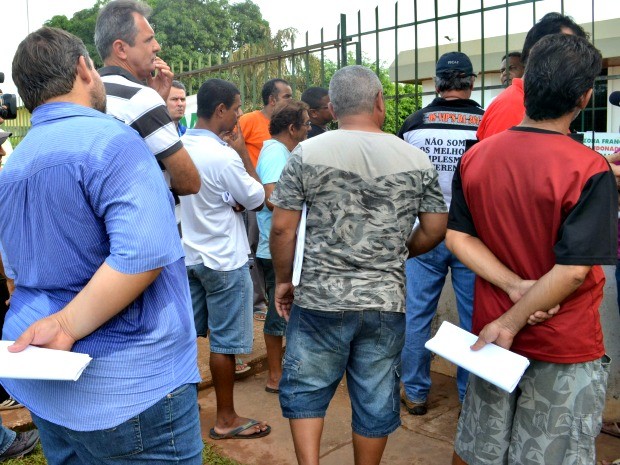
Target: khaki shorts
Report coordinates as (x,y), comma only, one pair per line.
(552,417)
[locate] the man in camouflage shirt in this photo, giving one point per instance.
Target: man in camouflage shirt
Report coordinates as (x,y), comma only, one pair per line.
(363,189)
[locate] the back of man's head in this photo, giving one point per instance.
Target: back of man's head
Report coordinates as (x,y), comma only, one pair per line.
(116,21)
(286,113)
(312,96)
(560,70)
(454,71)
(551,23)
(353,91)
(271,88)
(45,65)
(212,93)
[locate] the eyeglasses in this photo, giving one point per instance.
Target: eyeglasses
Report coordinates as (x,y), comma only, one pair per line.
(320,108)
(308,123)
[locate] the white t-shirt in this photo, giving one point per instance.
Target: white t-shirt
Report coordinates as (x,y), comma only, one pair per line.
(213,233)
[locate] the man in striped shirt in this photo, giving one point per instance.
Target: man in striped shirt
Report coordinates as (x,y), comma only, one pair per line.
(126,43)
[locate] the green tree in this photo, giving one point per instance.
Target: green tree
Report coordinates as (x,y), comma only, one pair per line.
(187,30)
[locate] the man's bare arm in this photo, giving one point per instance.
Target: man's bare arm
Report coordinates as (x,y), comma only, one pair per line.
(184,177)
(428,233)
(282,245)
(107,293)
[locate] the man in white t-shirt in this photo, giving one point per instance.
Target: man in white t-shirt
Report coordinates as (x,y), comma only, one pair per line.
(216,246)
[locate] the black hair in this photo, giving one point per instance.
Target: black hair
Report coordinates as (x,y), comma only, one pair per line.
(560,70)
(551,23)
(312,96)
(212,93)
(270,88)
(512,55)
(286,113)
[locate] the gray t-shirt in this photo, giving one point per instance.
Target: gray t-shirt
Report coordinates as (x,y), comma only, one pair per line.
(364,191)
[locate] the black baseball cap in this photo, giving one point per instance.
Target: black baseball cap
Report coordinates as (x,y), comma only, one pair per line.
(4,136)
(454,61)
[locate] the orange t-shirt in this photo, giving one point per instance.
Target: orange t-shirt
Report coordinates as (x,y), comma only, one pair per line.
(255,129)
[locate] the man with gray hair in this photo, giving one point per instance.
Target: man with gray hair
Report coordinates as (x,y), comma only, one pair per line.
(363,190)
(126,43)
(441,130)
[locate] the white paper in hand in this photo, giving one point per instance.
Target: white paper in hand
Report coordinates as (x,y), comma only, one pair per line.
(37,363)
(492,363)
(299,246)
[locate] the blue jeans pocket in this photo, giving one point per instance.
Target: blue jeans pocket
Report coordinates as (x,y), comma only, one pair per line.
(113,443)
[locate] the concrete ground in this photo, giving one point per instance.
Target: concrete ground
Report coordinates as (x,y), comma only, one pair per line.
(425,440)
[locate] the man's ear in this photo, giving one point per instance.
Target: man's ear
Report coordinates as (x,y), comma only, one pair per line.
(83,71)
(584,99)
(220,109)
(379,102)
(119,49)
(330,107)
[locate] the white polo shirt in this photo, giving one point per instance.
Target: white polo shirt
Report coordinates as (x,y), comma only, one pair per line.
(213,233)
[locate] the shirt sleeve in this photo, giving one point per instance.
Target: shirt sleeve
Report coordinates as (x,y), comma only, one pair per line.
(271,162)
(246,190)
(131,196)
(432,199)
(588,235)
(459,217)
(289,192)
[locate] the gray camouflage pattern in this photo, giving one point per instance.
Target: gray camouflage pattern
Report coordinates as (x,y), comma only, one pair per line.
(553,417)
(358,221)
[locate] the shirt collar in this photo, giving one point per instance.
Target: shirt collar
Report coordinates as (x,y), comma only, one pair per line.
(59,110)
(205,133)
(117,70)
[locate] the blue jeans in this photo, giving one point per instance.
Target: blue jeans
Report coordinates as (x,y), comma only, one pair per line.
(426,275)
(222,304)
(322,346)
(166,433)
(7,437)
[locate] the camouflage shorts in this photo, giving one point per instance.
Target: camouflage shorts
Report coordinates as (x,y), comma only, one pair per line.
(552,417)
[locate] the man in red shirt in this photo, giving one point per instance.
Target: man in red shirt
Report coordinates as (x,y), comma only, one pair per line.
(533,214)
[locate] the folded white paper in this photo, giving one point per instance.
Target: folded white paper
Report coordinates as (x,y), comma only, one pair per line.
(37,363)
(229,199)
(492,363)
(299,246)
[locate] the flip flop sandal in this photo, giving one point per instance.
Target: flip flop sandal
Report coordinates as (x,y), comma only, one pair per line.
(235,433)
(241,367)
(260,315)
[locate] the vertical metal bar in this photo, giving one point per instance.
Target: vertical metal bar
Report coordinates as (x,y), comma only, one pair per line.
(338,34)
(436,31)
(242,83)
(396,84)
(415,52)
(343,39)
(279,67)
(482,80)
(377,40)
(254,73)
(294,79)
(458,20)
(308,83)
(322,61)
(507,45)
(358,47)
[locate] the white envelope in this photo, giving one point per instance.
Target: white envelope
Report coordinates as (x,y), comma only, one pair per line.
(492,363)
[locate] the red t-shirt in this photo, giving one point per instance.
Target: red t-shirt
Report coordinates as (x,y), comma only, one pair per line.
(506,111)
(537,198)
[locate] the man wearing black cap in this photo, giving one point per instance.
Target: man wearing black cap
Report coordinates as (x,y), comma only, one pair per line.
(440,130)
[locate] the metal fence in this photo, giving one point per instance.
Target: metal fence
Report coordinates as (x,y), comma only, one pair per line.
(425,28)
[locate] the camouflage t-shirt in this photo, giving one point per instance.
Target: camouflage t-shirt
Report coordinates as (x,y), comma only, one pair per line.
(363,192)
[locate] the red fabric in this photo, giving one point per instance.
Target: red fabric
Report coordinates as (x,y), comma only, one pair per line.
(505,111)
(255,129)
(519,187)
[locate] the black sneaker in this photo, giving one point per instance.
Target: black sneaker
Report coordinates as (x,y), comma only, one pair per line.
(23,444)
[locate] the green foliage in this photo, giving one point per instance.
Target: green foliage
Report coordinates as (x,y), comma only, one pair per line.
(187,30)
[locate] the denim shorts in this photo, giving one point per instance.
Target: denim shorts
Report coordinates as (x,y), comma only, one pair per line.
(167,432)
(553,416)
(222,303)
(323,346)
(275,325)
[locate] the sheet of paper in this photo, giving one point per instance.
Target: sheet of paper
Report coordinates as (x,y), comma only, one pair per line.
(38,363)
(496,365)
(299,247)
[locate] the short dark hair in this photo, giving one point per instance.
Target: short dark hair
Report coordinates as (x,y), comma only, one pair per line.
(286,113)
(178,85)
(312,96)
(212,93)
(270,88)
(45,65)
(453,80)
(551,23)
(560,70)
(115,21)
(512,55)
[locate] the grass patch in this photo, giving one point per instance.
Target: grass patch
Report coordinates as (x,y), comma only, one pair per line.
(210,456)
